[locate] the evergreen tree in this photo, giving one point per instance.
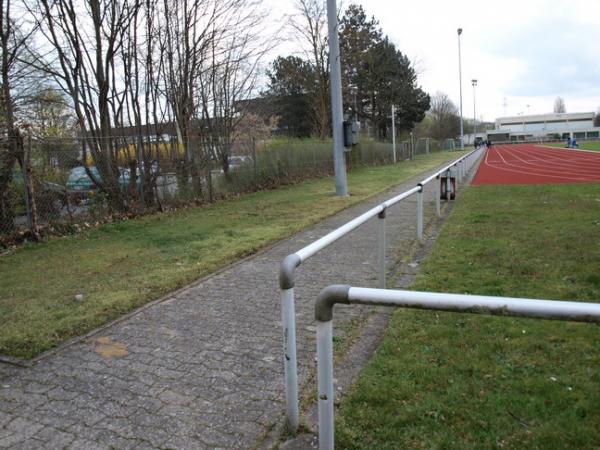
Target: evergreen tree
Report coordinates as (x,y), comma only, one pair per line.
(292,84)
(358,38)
(378,75)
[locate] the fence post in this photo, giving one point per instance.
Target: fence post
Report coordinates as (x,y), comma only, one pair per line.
(210,183)
(142,169)
(288,317)
(325,377)
(420,213)
(26,184)
(438,193)
(254,162)
(381,246)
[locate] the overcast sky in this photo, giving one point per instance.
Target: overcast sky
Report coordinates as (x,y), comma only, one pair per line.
(522,52)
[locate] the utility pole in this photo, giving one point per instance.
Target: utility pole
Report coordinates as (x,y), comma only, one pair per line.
(335,75)
(394,132)
(474,83)
(462,136)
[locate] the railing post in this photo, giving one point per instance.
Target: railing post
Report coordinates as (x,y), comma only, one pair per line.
(420,213)
(381,248)
(438,193)
(448,184)
(288,317)
(325,377)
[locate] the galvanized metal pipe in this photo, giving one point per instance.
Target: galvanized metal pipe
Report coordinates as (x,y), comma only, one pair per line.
(381,249)
(420,214)
(437,193)
(295,259)
(288,318)
(477,304)
(325,381)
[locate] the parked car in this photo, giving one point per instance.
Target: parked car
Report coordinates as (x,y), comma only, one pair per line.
(237,161)
(80,182)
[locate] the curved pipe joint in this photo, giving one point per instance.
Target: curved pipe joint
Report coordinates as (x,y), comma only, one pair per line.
(336,293)
(287,280)
(420,186)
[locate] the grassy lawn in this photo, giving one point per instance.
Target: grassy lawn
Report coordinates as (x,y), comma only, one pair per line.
(448,380)
(583,145)
(121,266)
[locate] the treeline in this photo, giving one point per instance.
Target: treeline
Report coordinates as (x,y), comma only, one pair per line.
(122,65)
(109,75)
(375,76)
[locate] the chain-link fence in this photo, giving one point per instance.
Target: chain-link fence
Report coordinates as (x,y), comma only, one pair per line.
(56,185)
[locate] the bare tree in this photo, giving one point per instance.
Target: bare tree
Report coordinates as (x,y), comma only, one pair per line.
(559,105)
(310,23)
(445,122)
(87,38)
(230,77)
(14,33)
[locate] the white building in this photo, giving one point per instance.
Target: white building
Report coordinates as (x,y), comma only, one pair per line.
(545,127)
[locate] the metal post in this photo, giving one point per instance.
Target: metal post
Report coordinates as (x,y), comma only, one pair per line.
(381,246)
(254,168)
(462,136)
(288,318)
(26,155)
(394,132)
(335,76)
(420,214)
(448,184)
(427,146)
(142,169)
(325,377)
(474,83)
(438,192)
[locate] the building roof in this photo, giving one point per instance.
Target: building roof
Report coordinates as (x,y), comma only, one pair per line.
(550,117)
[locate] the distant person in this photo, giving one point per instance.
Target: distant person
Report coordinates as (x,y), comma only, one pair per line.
(574,143)
(568,142)
(488,144)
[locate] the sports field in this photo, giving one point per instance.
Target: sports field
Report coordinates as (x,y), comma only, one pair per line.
(593,146)
(460,381)
(531,164)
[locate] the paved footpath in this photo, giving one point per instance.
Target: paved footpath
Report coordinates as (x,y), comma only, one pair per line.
(202,369)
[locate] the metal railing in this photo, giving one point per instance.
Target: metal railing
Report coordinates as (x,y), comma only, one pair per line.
(291,262)
(476,304)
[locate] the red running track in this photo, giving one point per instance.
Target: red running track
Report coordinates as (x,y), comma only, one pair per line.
(531,164)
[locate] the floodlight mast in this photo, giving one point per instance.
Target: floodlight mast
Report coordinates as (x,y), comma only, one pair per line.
(474,83)
(335,75)
(462,136)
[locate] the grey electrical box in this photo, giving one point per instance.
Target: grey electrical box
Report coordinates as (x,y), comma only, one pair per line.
(351,129)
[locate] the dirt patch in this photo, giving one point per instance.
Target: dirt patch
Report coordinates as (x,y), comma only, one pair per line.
(108,348)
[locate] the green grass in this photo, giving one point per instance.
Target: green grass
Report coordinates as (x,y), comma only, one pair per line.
(583,145)
(449,380)
(121,266)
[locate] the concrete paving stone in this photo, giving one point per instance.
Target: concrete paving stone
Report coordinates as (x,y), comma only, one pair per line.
(113,440)
(17,431)
(203,368)
(82,444)
(53,438)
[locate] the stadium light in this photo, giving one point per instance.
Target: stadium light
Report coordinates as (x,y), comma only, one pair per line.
(462,137)
(474,84)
